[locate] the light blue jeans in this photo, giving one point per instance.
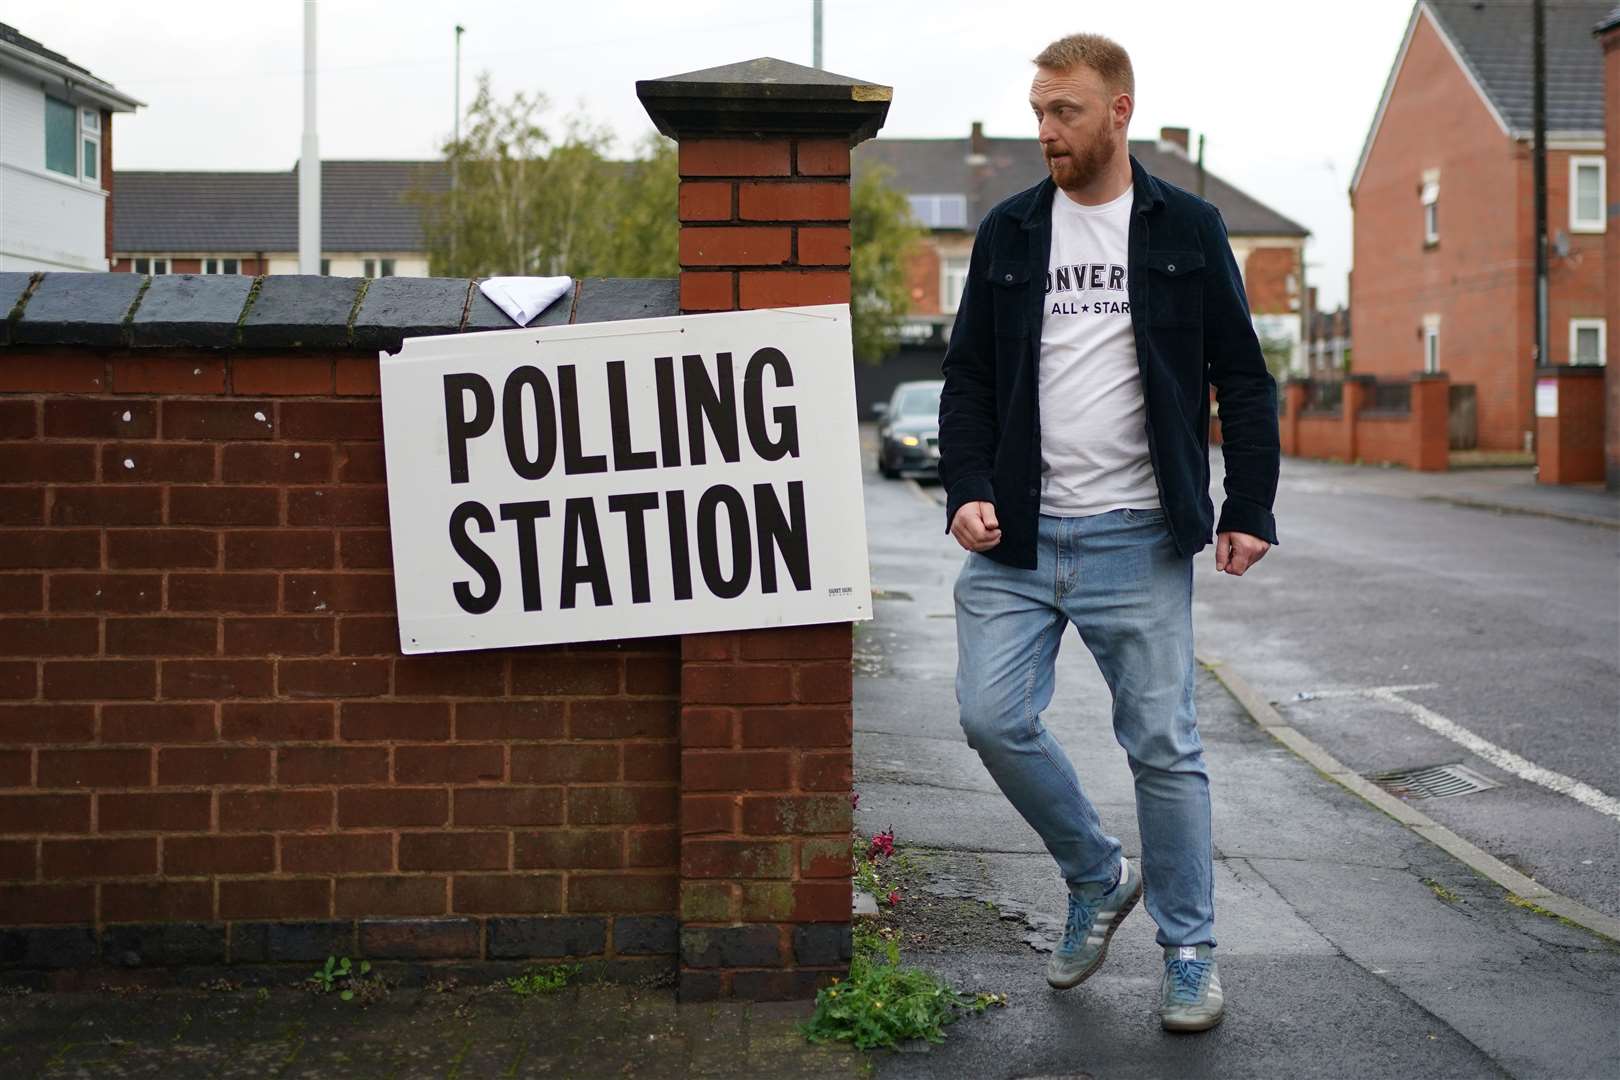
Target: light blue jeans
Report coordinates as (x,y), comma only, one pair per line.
(1118,578)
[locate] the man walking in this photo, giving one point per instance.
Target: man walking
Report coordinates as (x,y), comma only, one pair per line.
(1100,306)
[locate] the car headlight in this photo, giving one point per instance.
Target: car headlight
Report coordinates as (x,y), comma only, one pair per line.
(909,440)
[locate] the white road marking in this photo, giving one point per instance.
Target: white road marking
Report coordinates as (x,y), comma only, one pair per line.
(921,493)
(1503,759)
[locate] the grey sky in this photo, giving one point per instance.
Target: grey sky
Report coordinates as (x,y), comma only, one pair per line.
(1283,90)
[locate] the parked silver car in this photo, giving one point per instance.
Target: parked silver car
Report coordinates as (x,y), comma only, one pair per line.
(908,435)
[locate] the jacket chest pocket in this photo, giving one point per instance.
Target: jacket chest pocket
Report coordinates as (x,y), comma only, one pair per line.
(1009,293)
(1175,292)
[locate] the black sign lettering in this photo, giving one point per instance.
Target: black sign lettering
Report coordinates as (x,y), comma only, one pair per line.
(786,533)
(625,457)
(514,430)
(580,530)
(715,403)
(525,514)
(458,426)
(575,460)
(474,556)
(786,416)
(742,554)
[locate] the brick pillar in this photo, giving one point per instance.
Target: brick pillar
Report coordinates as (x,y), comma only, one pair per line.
(1569,446)
(766,715)
(1357,389)
(1294,391)
(1431,422)
(1609,34)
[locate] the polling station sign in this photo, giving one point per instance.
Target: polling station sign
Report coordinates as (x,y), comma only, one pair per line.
(625,479)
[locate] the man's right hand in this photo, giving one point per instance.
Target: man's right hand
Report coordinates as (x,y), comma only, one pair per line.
(975,526)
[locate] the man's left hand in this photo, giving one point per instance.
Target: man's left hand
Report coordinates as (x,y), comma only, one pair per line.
(1235,552)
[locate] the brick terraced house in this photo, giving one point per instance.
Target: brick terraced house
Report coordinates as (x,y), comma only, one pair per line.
(1443,197)
(247,222)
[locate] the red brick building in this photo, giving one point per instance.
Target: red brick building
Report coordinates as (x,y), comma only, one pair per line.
(953,183)
(1443,196)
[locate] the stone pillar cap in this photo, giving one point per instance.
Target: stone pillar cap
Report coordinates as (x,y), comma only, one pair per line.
(765,96)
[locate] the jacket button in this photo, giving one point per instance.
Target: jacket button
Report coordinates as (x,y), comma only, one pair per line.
(1007,278)
(1171,268)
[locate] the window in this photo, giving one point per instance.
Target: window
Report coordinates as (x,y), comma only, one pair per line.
(386,269)
(326,267)
(61,135)
(1586,182)
(90,140)
(221,266)
(939,211)
(370,268)
(1588,341)
(952,277)
(1431,343)
(151,266)
(1431,207)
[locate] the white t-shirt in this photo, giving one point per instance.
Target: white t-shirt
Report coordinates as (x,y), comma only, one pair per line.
(1094,448)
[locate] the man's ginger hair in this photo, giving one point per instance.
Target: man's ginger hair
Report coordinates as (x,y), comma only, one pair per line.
(1102,55)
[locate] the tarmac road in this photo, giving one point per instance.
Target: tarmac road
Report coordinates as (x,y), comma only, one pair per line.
(1506,627)
(1349,945)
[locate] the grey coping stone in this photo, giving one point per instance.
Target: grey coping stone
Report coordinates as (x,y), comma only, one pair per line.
(395,308)
(77,309)
(13,283)
(612,299)
(484,315)
(190,309)
(300,311)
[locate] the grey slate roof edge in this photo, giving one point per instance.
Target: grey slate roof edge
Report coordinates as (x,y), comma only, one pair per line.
(202,330)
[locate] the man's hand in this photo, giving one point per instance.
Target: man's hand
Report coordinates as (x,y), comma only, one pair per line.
(1235,552)
(975,526)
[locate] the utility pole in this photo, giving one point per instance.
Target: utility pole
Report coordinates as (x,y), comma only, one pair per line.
(455,161)
(815,7)
(1200,165)
(1540,45)
(309,166)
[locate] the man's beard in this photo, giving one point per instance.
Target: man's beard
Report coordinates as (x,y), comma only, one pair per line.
(1073,173)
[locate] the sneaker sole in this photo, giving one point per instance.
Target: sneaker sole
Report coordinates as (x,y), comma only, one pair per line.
(1102,953)
(1193,1025)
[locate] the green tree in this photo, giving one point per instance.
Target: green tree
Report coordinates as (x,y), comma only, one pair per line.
(883,234)
(526,203)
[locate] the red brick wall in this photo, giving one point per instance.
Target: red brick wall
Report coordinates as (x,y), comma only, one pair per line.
(204,714)
(1478,277)
(922,277)
(766,716)
(1611,254)
(1569,446)
(1265,280)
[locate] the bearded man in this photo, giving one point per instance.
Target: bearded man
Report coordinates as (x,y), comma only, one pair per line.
(1099,308)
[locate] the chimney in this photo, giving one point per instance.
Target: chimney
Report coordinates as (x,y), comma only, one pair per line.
(977,143)
(1177,135)
(764,166)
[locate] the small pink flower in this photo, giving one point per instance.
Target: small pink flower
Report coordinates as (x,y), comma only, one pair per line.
(882,844)
(894,897)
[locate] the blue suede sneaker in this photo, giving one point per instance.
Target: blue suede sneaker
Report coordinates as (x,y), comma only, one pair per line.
(1190,997)
(1089,926)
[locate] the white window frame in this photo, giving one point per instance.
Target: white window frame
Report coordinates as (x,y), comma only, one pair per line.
(219,262)
(1430,195)
(1576,164)
(153,265)
(89,134)
(1602,328)
(952,267)
(1431,344)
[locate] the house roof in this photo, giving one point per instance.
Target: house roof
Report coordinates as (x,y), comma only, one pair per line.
(942,167)
(21,49)
(364,207)
(1494,38)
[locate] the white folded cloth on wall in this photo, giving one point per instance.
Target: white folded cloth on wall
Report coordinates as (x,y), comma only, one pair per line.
(522,298)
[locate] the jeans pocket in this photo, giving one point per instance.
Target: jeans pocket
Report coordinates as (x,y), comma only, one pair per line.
(1145,517)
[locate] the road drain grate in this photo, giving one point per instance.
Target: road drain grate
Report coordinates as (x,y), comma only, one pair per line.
(1432,782)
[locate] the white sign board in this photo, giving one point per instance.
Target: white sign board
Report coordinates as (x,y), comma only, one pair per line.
(1547,397)
(625,479)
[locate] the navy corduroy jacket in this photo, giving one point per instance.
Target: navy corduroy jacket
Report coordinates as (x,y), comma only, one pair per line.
(1193,330)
